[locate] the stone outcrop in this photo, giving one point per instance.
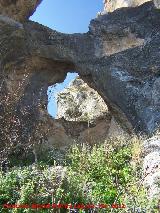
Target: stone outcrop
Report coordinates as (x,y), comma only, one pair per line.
(33,57)
(111,5)
(19,10)
(82,117)
(79,102)
(130,77)
(84,114)
(151,166)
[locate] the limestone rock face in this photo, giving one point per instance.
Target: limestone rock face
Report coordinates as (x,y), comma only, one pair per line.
(79,102)
(130,75)
(116,130)
(87,115)
(19,10)
(152,166)
(118,57)
(111,5)
(157,3)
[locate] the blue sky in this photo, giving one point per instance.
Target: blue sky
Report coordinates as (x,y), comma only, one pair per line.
(53,90)
(67,16)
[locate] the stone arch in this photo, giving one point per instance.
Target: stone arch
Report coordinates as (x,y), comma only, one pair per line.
(45,56)
(127,78)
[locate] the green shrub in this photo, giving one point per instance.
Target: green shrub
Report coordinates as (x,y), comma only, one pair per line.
(103,174)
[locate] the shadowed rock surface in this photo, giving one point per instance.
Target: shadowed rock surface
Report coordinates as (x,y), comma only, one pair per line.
(118,57)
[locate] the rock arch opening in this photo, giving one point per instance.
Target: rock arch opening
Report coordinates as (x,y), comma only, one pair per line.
(56,88)
(81,113)
(127,78)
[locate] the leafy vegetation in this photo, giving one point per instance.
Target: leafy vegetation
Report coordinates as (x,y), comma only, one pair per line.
(104,174)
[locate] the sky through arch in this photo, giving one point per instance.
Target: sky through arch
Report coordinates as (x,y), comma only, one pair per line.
(66,16)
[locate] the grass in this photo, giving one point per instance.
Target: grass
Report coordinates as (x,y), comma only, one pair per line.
(103,174)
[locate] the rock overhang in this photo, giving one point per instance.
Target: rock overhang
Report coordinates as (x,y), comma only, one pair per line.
(124,76)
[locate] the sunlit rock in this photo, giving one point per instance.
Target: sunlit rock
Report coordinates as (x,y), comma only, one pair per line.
(19,10)
(111,5)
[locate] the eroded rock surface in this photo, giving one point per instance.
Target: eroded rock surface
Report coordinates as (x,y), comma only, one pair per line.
(19,10)
(79,102)
(111,5)
(130,76)
(82,117)
(33,57)
(85,115)
(152,166)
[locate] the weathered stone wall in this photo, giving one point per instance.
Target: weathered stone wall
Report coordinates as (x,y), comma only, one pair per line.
(19,10)
(151,166)
(79,102)
(111,5)
(85,115)
(33,57)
